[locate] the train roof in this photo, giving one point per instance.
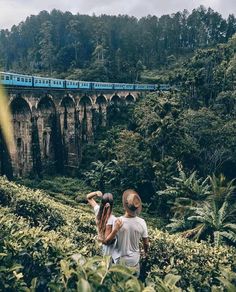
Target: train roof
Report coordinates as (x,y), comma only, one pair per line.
(18,74)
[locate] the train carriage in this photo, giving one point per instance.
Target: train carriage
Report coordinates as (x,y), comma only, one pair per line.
(15,79)
(41,82)
(164,87)
(57,83)
(84,85)
(72,84)
(5,78)
(123,86)
(102,85)
(141,87)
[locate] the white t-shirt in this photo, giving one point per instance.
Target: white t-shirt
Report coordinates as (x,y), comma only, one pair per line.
(128,238)
(106,249)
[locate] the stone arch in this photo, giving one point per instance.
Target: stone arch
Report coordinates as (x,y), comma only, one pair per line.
(85,100)
(22,126)
(115,109)
(101,112)
(67,110)
(101,99)
(115,99)
(69,130)
(86,118)
(129,98)
(49,135)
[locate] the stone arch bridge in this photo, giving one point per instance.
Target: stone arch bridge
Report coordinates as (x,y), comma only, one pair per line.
(50,127)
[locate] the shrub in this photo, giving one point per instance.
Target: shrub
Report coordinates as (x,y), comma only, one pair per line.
(36,257)
(198,264)
(39,214)
(29,252)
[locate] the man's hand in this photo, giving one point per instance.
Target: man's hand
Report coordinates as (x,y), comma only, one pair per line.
(118,225)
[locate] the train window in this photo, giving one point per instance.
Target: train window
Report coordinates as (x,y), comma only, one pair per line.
(18,79)
(22,79)
(26,79)
(46,81)
(2,77)
(7,78)
(39,81)
(30,80)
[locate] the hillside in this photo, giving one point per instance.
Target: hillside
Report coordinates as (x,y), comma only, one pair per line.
(176,148)
(40,235)
(108,48)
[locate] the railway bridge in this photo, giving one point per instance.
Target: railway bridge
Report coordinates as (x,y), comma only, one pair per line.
(52,125)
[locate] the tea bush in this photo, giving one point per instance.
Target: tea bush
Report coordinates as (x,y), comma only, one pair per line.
(39,214)
(37,258)
(29,252)
(198,264)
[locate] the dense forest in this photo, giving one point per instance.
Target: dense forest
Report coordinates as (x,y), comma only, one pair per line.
(108,48)
(177,149)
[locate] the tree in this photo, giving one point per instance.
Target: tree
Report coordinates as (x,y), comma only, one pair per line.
(46,46)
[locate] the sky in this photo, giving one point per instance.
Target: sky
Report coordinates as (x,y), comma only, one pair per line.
(14,11)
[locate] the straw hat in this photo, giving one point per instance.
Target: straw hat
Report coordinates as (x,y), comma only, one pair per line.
(132,202)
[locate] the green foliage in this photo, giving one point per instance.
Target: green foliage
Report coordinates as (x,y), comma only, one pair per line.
(95,275)
(202,209)
(103,48)
(101,175)
(168,284)
(59,186)
(29,252)
(38,214)
(215,217)
(185,192)
(40,259)
(198,264)
(228,279)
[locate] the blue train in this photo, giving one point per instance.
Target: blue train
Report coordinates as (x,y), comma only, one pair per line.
(14,79)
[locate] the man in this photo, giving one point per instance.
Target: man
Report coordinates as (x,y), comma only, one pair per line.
(129,230)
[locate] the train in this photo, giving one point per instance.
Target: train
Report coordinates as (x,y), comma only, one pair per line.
(15,79)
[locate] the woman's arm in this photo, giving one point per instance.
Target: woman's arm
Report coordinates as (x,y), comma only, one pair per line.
(90,198)
(112,234)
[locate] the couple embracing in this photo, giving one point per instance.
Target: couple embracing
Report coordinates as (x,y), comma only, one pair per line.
(121,236)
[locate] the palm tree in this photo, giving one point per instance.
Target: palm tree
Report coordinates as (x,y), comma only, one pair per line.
(215,217)
(189,192)
(214,222)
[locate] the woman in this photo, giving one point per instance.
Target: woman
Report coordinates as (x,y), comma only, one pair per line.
(104,218)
